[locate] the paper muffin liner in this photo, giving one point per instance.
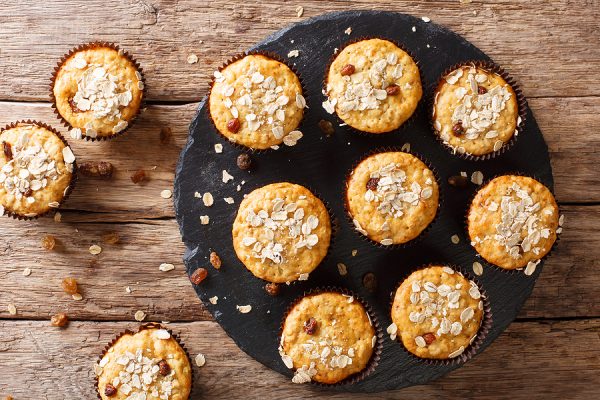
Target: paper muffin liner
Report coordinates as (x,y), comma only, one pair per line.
(425,231)
(466,224)
(89,46)
(521,105)
(145,326)
(410,121)
(273,56)
(69,188)
(484,328)
(377,350)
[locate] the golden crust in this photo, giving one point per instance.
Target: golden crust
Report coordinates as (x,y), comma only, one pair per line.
(415,219)
(393,110)
(155,349)
(65,88)
(296,261)
(55,190)
(234,75)
(346,324)
(482,222)
(445,343)
(446,101)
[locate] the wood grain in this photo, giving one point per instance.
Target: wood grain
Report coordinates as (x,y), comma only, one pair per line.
(41,362)
(550,60)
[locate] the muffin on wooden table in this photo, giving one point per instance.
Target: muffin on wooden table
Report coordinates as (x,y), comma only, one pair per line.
(513,222)
(149,364)
(475,111)
(373,85)
(36,169)
(281,232)
(392,197)
(257,102)
(97,90)
(327,337)
(436,312)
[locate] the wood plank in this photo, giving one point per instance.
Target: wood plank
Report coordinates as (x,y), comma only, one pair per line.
(163,33)
(565,122)
(36,360)
(568,286)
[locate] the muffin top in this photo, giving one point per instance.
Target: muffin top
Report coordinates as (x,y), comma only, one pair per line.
(257,102)
(373,85)
(436,312)
(475,111)
(392,197)
(281,232)
(36,168)
(98,90)
(149,364)
(513,221)
(326,338)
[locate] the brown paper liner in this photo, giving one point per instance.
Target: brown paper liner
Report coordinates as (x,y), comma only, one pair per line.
(410,120)
(484,328)
(237,57)
(466,225)
(69,188)
(521,104)
(96,45)
(424,232)
(375,356)
(148,325)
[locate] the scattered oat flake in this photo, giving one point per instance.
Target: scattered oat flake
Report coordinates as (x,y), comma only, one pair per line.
(95,249)
(293,53)
(218,148)
(426,19)
(77,297)
(207,199)
(227,176)
(455,239)
(354,253)
(405,147)
(229,200)
(192,59)
(27,272)
(197,195)
(414,28)
(477,177)
(204,219)
(348,31)
(200,360)
(166,267)
(166,194)
(342,269)
(139,316)
(57,217)
(244,309)
(12,310)
(299,11)
(303,277)
(128,289)
(213,300)
(477,268)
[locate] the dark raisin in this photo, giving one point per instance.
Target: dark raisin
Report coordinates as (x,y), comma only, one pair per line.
(198,276)
(7,150)
(138,177)
(215,260)
(28,192)
(326,127)
(110,390)
(458,181)
(392,90)
(244,161)
(429,338)
(372,184)
(233,125)
(310,326)
(458,129)
(481,90)
(347,69)
(163,368)
(370,282)
(100,169)
(273,289)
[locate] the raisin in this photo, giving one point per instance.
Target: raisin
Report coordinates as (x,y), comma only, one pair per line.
(347,69)
(110,390)
(233,125)
(215,260)
(100,169)
(370,282)
(7,150)
(163,368)
(458,129)
(28,192)
(48,242)
(138,177)
(198,276)
(392,90)
(69,285)
(244,161)
(310,326)
(481,90)
(272,289)
(458,181)
(429,338)
(111,238)
(74,106)
(372,184)
(326,127)
(59,320)
(165,134)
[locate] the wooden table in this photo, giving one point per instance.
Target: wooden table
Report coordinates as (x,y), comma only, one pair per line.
(552,349)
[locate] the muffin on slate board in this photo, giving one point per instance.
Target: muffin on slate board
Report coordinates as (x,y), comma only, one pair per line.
(257,102)
(513,222)
(281,232)
(373,85)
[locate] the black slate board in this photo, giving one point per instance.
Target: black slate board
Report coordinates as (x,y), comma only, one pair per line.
(321,164)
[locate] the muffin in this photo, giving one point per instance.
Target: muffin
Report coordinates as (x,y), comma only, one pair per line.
(391,197)
(36,169)
(281,232)
(98,91)
(475,111)
(513,221)
(257,102)
(147,364)
(326,338)
(373,86)
(437,312)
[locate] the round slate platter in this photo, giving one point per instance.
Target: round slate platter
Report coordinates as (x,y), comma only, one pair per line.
(322,163)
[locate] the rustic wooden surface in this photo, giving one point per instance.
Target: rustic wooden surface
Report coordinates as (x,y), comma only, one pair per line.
(552,350)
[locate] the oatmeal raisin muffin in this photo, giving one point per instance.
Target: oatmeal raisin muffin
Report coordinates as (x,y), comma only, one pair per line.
(475,111)
(36,169)
(373,86)
(436,312)
(513,221)
(257,102)
(326,338)
(149,364)
(392,197)
(98,91)
(281,232)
